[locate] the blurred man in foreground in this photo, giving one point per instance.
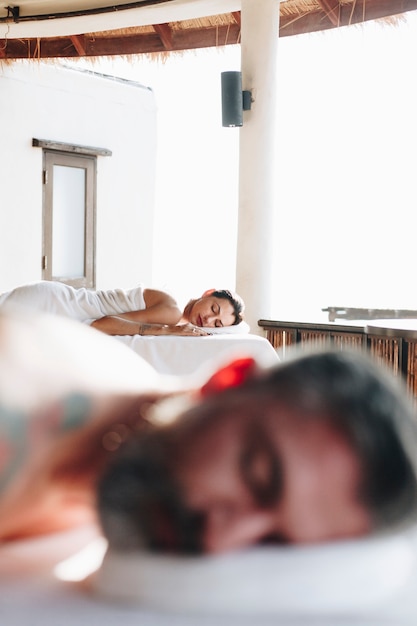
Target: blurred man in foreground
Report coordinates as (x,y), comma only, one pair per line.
(318,448)
(321,447)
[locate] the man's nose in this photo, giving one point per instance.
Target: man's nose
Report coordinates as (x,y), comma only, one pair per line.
(240,530)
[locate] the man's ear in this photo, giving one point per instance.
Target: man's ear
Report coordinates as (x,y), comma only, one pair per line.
(208,293)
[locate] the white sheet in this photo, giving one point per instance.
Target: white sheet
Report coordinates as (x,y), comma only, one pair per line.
(362,583)
(84,305)
(44,357)
(242,327)
(183,356)
(264,580)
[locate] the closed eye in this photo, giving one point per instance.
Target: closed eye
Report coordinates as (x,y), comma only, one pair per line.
(274,539)
(261,469)
(216,310)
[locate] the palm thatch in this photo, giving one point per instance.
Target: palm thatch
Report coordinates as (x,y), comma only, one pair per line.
(296,17)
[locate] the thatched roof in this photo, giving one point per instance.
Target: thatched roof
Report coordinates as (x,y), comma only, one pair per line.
(296,17)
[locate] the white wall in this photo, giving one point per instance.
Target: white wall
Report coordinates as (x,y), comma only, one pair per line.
(346,145)
(346,142)
(49,101)
(197,169)
(346,137)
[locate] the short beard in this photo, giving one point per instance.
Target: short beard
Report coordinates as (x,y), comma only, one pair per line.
(140,505)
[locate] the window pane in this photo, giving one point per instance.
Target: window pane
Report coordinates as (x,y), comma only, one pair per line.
(68,221)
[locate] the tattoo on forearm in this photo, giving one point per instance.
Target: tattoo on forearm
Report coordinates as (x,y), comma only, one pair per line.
(22,433)
(143,327)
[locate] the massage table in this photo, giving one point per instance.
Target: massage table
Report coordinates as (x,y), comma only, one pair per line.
(183,356)
(68,580)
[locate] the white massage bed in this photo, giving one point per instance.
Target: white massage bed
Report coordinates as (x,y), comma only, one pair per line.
(359,583)
(171,355)
(182,356)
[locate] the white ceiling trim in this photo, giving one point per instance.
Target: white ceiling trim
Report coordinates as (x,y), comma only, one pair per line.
(175,10)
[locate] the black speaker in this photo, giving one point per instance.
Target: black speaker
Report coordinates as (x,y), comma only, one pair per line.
(232,99)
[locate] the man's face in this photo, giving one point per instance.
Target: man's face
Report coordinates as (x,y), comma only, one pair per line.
(274,477)
(244,474)
(210,312)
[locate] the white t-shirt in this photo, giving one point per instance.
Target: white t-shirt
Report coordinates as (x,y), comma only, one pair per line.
(80,304)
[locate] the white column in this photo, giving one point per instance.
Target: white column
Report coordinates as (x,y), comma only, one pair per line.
(257,169)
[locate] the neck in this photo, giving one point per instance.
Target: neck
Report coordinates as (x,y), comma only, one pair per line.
(187,310)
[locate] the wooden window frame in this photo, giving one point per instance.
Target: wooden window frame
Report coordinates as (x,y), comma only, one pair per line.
(70,155)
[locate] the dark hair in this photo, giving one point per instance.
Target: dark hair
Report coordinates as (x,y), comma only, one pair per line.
(235,300)
(348,390)
(369,406)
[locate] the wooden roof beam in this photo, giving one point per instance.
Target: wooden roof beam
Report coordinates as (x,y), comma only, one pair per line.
(362,11)
(167,39)
(332,10)
(165,33)
(60,47)
(236,15)
(78,41)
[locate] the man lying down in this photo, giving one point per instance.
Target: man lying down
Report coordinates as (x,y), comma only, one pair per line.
(319,448)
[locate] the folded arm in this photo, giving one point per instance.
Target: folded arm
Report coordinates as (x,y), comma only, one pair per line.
(119,325)
(161,309)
